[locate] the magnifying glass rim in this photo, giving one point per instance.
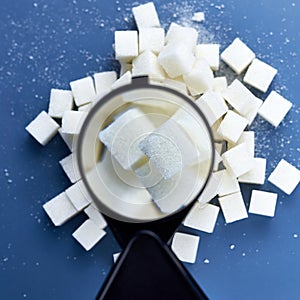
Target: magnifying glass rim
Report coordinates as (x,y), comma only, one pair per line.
(137,83)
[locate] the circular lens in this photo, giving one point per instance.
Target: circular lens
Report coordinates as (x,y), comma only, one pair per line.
(144,152)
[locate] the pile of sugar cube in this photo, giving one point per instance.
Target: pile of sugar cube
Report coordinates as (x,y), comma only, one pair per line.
(174,59)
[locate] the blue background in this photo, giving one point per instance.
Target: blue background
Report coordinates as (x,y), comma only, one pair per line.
(45,44)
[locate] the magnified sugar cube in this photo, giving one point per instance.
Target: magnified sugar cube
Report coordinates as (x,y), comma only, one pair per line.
(257,174)
(263,203)
(285,176)
(43,128)
(70,167)
(238,160)
(260,75)
(104,81)
(60,209)
(60,101)
(78,195)
(125,79)
(200,78)
(151,39)
(145,16)
(247,137)
(88,234)
(126,45)
(185,246)
(122,137)
(83,90)
(232,126)
(169,148)
(238,56)
(252,113)
(210,190)
(233,207)
(228,184)
(94,215)
(239,97)
(72,121)
(176,59)
(275,108)
(146,64)
(219,84)
(209,52)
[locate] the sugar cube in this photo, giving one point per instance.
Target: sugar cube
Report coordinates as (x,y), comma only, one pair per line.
(257,174)
(43,128)
(209,52)
(200,77)
(239,97)
(83,90)
(238,160)
(60,209)
(219,84)
(152,39)
(104,81)
(228,184)
(275,108)
(126,45)
(88,234)
(237,56)
(72,121)
(78,195)
(260,75)
(285,176)
(210,190)
(202,217)
(252,113)
(247,137)
(70,167)
(233,207)
(185,246)
(263,203)
(146,64)
(60,101)
(125,79)
(145,16)
(69,139)
(232,126)
(94,215)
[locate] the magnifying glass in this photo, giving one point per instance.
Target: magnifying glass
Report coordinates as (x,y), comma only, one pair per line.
(145,153)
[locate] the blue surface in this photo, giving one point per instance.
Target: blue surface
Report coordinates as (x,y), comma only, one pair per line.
(46,44)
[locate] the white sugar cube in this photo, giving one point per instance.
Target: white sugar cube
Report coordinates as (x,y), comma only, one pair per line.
(219,84)
(285,176)
(202,217)
(69,139)
(125,79)
(260,75)
(70,167)
(209,52)
(275,108)
(78,195)
(83,90)
(239,97)
(210,190)
(152,39)
(232,126)
(169,148)
(238,160)
(252,113)
(263,203)
(228,184)
(60,101)
(104,81)
(185,246)
(60,209)
(145,16)
(176,59)
(237,56)
(122,137)
(43,128)
(116,256)
(94,215)
(72,121)
(200,77)
(126,45)
(257,174)
(247,137)
(198,17)
(146,64)
(88,234)
(233,207)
